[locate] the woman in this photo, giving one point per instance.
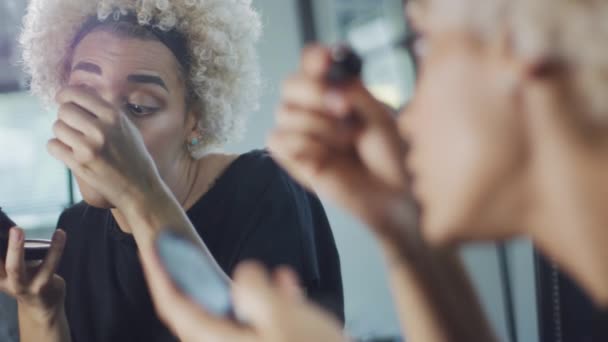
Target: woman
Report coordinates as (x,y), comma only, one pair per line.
(519,150)
(506,137)
(146,90)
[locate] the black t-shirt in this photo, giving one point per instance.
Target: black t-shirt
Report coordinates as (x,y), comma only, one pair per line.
(567,313)
(254,211)
(600,325)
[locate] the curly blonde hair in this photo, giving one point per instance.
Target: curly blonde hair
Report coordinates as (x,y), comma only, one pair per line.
(223,74)
(571,32)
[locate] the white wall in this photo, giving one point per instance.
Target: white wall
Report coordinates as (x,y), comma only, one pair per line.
(279,51)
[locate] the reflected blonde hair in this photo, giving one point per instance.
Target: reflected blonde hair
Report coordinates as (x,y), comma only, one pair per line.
(571,32)
(221,37)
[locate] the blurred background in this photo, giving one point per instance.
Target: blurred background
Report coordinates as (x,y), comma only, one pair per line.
(34,188)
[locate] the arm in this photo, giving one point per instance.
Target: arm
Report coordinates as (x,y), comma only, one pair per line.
(434,297)
(149,212)
(52,328)
(103,147)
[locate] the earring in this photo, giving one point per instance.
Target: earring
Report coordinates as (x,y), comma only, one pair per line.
(194,141)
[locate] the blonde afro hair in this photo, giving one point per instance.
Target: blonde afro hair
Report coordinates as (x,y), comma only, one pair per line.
(221,36)
(571,32)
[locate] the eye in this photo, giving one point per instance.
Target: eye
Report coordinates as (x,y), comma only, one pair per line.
(139,110)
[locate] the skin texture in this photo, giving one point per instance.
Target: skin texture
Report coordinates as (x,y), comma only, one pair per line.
(466,150)
(158,112)
(511,153)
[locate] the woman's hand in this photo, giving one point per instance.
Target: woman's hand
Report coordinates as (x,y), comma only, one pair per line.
(340,141)
(38,290)
(101,145)
(274,309)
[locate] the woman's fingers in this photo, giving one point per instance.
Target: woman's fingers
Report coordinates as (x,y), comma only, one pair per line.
(65,154)
(68,135)
(301,91)
(288,284)
(254,296)
(83,150)
(15,264)
(316,61)
(331,131)
(301,155)
(51,262)
(82,121)
(89,101)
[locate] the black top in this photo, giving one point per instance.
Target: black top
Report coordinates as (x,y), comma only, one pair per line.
(566,312)
(254,211)
(600,325)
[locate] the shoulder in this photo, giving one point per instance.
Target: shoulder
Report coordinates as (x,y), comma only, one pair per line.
(74,215)
(274,186)
(280,204)
(257,161)
(259,170)
(255,176)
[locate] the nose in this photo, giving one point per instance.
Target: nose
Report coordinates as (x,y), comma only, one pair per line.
(110,93)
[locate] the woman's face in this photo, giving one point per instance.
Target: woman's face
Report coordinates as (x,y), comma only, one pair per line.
(141,78)
(466,138)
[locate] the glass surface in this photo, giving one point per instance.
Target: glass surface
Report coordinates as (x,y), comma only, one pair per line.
(33,185)
(11,12)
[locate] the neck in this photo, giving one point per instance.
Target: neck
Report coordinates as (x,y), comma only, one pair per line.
(576,241)
(569,216)
(188,182)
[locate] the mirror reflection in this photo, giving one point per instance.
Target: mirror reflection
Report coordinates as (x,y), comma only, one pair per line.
(188,170)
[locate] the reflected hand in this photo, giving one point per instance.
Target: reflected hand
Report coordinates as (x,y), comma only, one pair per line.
(340,141)
(274,309)
(37,289)
(101,145)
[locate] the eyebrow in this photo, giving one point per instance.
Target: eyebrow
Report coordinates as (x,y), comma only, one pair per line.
(136,78)
(149,79)
(88,67)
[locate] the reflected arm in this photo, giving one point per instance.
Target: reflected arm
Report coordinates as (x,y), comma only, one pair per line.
(434,296)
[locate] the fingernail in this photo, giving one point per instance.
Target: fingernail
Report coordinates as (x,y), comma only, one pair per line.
(335,102)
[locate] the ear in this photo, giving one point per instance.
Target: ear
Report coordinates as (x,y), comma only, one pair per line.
(535,67)
(193,116)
